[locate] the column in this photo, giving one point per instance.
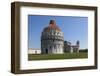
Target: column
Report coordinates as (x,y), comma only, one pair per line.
(71,50)
(78,49)
(56,48)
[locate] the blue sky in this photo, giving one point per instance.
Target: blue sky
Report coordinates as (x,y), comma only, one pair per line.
(74,28)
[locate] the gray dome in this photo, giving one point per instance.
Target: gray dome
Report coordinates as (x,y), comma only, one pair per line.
(52,31)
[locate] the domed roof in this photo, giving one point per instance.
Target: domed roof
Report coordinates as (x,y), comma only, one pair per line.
(52,26)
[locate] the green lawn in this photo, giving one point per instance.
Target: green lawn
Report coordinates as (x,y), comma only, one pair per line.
(57,56)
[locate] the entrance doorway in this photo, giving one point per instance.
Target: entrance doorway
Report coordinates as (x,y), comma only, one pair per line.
(46,51)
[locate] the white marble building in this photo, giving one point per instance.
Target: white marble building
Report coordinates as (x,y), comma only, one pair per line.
(52,41)
(34,51)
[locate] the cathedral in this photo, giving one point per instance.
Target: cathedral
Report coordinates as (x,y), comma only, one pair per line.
(52,41)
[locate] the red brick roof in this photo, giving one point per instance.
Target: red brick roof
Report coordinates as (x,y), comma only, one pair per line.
(52,25)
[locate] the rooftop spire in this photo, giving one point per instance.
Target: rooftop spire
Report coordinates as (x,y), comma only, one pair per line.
(52,25)
(52,22)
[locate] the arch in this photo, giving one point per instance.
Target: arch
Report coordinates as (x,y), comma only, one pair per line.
(35,51)
(50,47)
(46,51)
(54,46)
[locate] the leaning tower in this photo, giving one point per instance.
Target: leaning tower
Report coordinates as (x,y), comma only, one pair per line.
(52,41)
